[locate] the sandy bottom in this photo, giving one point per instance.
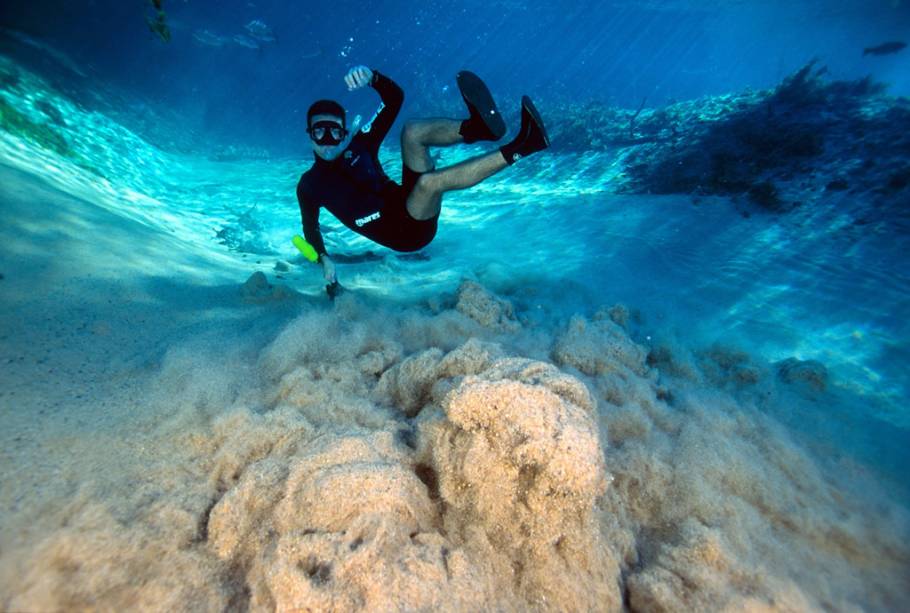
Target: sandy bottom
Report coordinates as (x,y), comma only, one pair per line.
(242,448)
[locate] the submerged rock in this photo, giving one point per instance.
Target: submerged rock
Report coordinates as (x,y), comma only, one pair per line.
(729,367)
(485,308)
(598,347)
(805,372)
(257,290)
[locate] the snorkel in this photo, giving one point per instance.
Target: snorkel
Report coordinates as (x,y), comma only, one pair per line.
(308,251)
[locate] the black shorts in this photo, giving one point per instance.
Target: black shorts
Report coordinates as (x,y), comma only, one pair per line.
(397,229)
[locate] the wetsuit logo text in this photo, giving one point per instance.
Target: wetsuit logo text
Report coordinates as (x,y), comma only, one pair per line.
(365,220)
(369,125)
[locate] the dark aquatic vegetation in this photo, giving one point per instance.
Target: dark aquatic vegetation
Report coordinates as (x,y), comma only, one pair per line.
(158,23)
(767,146)
(19,124)
(885,48)
(52,112)
(260,31)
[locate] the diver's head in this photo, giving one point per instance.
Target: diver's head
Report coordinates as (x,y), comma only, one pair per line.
(325,125)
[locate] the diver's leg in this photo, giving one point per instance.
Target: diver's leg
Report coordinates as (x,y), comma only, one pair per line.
(425,199)
(484,123)
(418,135)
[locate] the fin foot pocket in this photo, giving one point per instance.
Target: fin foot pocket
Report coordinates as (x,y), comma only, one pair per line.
(537,131)
(532,136)
(485,121)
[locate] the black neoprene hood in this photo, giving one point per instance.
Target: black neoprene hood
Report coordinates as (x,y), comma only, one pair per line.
(325,107)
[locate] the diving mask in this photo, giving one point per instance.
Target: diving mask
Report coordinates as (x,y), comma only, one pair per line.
(327,133)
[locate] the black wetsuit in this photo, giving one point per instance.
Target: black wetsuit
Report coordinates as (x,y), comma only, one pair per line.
(354,188)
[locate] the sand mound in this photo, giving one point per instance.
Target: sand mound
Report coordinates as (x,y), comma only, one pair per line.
(96,560)
(491,500)
(599,347)
(257,290)
(405,460)
(485,308)
(516,463)
(346,524)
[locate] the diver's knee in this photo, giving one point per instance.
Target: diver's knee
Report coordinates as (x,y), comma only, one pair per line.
(428,183)
(412,131)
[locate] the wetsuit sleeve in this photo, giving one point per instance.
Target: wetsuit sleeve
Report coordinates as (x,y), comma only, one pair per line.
(309,214)
(392,97)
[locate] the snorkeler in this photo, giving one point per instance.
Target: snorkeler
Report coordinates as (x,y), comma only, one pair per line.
(350,183)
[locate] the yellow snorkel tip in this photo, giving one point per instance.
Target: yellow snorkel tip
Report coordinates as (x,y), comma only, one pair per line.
(305,248)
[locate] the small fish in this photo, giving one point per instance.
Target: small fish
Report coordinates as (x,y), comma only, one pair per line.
(885,48)
(208,38)
(246,41)
(258,30)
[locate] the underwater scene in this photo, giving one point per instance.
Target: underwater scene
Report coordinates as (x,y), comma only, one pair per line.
(500,305)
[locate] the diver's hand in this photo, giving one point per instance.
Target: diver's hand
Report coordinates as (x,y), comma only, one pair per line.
(334,290)
(328,269)
(357,77)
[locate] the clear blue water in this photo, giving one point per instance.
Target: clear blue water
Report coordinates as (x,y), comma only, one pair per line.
(201,140)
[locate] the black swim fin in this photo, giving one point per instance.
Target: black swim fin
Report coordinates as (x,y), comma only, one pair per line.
(485,122)
(532,136)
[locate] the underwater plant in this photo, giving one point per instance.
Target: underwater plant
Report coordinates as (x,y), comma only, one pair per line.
(18,124)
